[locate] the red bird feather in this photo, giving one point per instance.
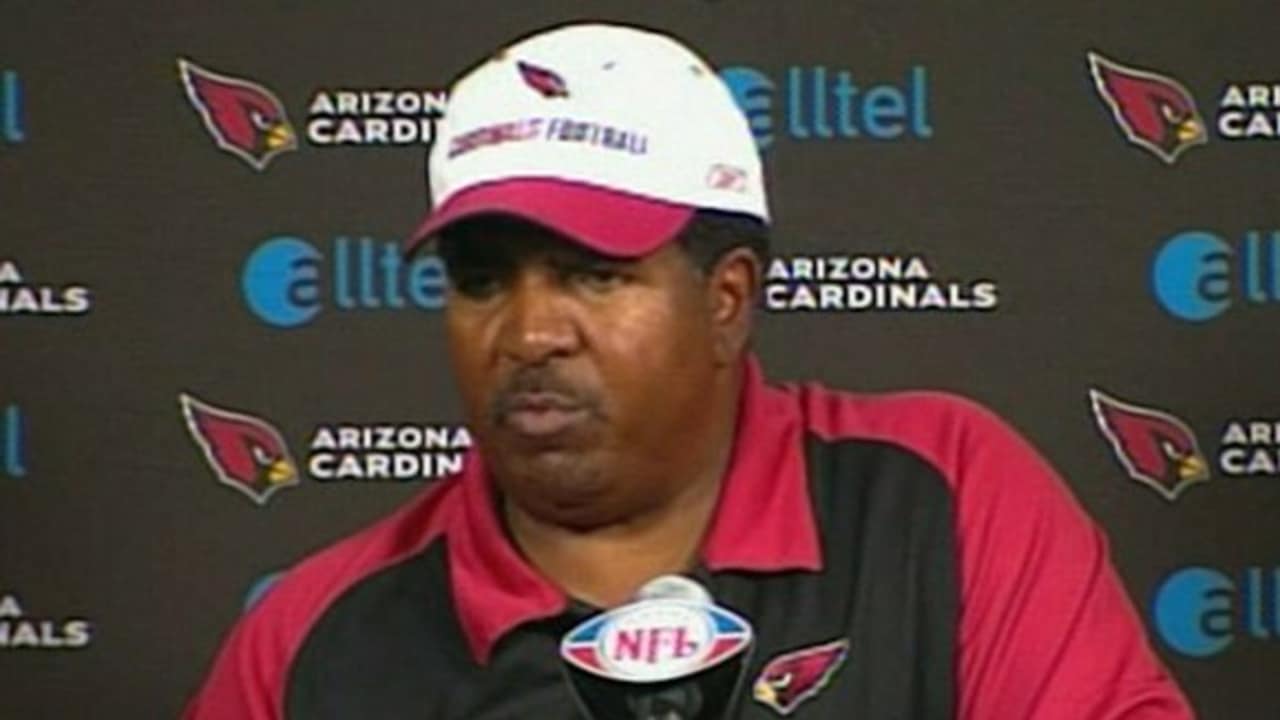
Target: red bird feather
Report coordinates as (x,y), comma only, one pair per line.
(794,677)
(1155,448)
(243,117)
(245,452)
(1155,111)
(546,82)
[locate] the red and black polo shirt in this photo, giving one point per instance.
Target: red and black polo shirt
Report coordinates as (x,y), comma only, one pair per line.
(915,527)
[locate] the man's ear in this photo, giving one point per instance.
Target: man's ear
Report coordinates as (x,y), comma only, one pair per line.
(732,284)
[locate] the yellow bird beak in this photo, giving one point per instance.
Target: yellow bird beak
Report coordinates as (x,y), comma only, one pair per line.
(1192,467)
(764,692)
(279,136)
(1189,130)
(280,471)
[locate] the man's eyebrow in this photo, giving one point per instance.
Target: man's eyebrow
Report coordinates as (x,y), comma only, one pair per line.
(575,254)
(586,259)
(493,253)
(474,252)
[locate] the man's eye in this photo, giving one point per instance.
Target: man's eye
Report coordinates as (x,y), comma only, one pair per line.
(598,278)
(476,285)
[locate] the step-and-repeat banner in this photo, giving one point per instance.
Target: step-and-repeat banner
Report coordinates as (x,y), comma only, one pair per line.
(213,359)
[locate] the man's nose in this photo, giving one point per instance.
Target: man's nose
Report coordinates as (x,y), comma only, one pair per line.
(538,321)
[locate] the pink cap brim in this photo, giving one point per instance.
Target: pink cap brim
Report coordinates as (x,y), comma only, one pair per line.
(607,221)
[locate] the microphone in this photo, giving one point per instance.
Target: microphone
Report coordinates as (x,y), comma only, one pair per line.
(669,654)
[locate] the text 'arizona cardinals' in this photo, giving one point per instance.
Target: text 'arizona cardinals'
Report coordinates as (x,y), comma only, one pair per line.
(869,283)
(22,297)
(249,121)
(249,454)
(19,630)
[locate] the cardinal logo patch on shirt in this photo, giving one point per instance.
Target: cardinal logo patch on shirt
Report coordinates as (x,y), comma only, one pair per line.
(1155,448)
(791,678)
(243,117)
(1155,111)
(245,452)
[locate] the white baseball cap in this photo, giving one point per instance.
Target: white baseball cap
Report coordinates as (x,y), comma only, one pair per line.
(611,135)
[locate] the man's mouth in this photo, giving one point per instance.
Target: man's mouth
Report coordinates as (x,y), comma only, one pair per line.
(541,415)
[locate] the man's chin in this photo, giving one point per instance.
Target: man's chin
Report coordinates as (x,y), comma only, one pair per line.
(576,509)
(558,485)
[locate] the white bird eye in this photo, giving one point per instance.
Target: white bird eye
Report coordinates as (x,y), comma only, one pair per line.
(260,455)
(259,120)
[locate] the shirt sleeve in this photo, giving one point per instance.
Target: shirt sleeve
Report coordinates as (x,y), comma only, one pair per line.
(250,675)
(1047,631)
(245,682)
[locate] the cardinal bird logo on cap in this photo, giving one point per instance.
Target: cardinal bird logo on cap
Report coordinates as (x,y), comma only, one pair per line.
(1155,111)
(243,117)
(1155,448)
(794,677)
(546,82)
(245,452)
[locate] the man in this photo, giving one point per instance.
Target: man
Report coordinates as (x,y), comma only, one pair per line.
(601,209)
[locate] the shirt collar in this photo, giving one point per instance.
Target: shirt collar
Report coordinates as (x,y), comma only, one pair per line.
(763,522)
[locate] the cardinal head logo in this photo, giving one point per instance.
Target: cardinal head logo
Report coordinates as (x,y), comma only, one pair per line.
(1154,447)
(790,679)
(245,452)
(1154,111)
(548,83)
(243,117)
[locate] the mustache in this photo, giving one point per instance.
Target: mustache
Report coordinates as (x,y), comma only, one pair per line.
(544,381)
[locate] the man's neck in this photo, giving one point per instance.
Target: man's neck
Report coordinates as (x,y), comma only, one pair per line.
(606,565)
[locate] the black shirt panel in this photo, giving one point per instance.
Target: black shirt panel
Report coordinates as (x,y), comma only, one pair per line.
(889,586)
(391,647)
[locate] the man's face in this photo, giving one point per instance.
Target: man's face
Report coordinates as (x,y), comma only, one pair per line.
(585,378)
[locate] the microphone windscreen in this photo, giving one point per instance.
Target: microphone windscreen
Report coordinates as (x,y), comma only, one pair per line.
(674,587)
(669,654)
